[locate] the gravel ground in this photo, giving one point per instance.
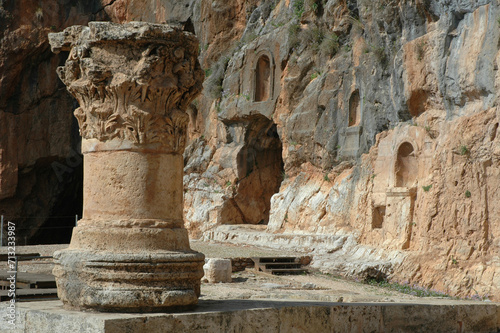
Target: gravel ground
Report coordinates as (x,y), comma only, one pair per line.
(249,284)
(211,250)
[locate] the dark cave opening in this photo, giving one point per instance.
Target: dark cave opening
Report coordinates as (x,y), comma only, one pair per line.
(260,170)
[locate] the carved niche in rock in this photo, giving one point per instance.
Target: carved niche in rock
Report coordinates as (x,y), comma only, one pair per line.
(262,79)
(354,109)
(132,93)
(406,168)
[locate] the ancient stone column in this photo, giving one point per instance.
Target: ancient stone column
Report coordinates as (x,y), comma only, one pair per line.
(130,251)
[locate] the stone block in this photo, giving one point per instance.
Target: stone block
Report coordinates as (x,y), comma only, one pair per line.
(218,270)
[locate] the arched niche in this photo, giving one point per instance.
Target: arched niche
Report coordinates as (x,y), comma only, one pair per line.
(263,79)
(354,109)
(406,168)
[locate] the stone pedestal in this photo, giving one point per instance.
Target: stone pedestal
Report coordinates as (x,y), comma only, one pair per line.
(130,252)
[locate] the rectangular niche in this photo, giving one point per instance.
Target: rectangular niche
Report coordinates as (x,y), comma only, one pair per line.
(378,215)
(351,144)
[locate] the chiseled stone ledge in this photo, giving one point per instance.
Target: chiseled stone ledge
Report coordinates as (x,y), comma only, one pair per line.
(266,316)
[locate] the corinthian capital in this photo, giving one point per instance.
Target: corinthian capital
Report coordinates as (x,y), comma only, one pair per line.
(133,82)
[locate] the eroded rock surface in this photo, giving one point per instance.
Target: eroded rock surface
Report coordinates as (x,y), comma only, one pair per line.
(411,86)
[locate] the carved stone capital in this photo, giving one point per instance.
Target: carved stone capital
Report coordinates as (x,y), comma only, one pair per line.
(131,251)
(133,82)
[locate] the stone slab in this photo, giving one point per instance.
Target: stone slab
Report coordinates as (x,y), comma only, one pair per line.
(264,316)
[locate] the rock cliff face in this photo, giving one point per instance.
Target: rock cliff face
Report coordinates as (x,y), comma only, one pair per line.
(374,120)
(40,167)
(377,119)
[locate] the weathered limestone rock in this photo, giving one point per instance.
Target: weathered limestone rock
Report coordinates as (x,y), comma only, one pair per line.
(130,251)
(218,270)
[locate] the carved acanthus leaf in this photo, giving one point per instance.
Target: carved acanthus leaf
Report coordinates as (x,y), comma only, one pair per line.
(136,91)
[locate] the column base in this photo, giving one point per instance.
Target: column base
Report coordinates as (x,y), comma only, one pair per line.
(117,282)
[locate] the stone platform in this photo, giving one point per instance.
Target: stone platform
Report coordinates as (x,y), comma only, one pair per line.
(264,316)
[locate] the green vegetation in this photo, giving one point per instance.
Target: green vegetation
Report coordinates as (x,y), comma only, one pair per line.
(317,38)
(246,96)
(250,37)
(464,150)
(427,188)
(330,45)
(313,37)
(406,288)
(213,81)
(277,24)
(293,34)
(298,8)
(314,7)
(467,194)
(356,23)
(202,47)
(326,178)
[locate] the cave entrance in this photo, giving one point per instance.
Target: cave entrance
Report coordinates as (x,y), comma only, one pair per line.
(406,166)
(262,79)
(260,170)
